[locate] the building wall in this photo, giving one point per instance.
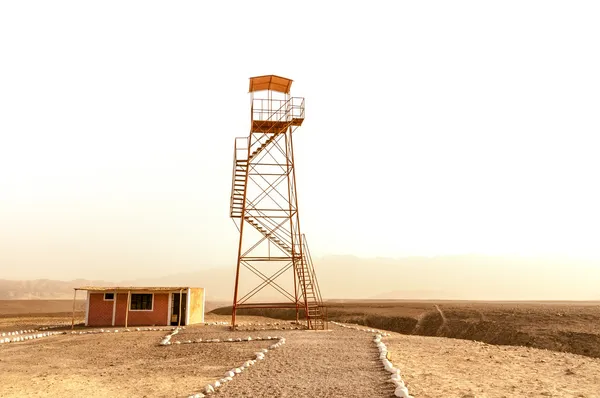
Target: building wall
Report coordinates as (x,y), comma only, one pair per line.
(196,306)
(100,312)
(156,317)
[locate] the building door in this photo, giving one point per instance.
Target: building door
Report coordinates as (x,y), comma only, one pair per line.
(177,312)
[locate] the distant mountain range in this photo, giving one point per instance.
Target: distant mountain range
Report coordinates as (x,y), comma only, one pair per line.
(468,277)
(45,289)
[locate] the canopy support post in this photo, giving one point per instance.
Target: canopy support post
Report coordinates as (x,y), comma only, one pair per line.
(73,317)
(180,311)
(128,304)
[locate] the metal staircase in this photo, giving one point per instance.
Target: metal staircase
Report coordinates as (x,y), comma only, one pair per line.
(277,123)
(238,190)
(316,311)
(263,171)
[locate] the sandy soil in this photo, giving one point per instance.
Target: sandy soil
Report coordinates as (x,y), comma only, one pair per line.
(117,364)
(16,307)
(337,363)
(436,367)
(13,323)
(560,326)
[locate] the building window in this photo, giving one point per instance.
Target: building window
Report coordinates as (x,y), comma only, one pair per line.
(141,302)
(109,296)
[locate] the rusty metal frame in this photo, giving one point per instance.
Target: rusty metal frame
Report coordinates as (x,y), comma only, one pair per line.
(264,200)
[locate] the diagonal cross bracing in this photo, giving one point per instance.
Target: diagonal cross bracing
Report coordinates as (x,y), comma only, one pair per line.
(264,203)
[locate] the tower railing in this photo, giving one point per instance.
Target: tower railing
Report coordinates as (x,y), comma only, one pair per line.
(265,109)
(240,149)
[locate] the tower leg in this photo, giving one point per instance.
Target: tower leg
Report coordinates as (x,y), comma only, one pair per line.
(291,204)
(235,294)
(237,277)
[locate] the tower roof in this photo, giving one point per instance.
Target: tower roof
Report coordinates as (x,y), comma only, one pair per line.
(270,82)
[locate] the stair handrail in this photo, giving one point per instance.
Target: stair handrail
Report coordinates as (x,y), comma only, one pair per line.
(235,159)
(272,233)
(315,282)
(284,115)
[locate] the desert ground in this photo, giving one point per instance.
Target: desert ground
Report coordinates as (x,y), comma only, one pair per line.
(341,362)
(561,326)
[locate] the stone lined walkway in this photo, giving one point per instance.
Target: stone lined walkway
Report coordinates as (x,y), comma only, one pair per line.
(335,363)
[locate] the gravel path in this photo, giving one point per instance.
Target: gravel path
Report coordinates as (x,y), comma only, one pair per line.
(335,363)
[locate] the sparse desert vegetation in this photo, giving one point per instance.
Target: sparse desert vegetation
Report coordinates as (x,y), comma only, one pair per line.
(561,326)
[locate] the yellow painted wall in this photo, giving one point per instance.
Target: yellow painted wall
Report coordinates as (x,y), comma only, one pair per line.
(196,308)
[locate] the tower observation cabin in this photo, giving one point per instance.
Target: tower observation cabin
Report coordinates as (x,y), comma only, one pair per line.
(274,267)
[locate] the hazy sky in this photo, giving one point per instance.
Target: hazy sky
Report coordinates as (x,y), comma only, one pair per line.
(431,128)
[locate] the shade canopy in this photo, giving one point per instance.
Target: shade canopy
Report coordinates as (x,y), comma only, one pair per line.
(131,288)
(270,82)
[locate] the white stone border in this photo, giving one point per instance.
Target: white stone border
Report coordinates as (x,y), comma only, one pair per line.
(167,340)
(30,335)
(97,331)
(213,323)
(254,327)
(29,332)
(229,375)
(401,389)
(16,332)
(23,335)
(60,325)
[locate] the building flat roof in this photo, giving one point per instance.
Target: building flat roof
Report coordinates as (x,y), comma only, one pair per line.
(131,288)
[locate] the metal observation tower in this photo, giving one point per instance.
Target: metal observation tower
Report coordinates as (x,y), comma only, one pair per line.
(274,266)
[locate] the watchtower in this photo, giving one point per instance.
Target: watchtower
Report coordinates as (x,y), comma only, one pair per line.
(274,266)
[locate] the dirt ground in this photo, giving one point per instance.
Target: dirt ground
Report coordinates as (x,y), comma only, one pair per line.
(50,307)
(561,326)
(340,362)
(132,364)
(118,364)
(436,367)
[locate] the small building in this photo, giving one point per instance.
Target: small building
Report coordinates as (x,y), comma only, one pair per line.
(143,306)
